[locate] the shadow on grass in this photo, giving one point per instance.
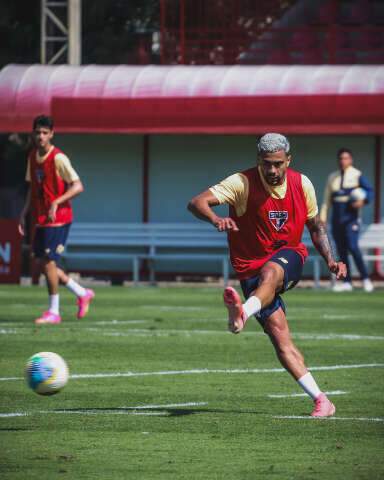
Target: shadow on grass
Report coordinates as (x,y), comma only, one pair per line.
(170,412)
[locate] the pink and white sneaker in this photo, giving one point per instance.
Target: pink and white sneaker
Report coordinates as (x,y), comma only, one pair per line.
(84,302)
(236,316)
(48,317)
(323,407)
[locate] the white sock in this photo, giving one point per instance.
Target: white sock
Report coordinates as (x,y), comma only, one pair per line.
(251,306)
(54,302)
(75,288)
(308,384)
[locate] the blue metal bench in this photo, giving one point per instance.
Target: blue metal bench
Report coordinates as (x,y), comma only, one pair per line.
(121,247)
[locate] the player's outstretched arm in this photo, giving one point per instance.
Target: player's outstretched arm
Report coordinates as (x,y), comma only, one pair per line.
(320,240)
(201,205)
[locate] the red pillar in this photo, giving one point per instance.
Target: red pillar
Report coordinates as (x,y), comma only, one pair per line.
(377,170)
(145,212)
(377,204)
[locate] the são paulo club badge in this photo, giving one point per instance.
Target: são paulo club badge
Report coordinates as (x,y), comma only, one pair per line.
(278,218)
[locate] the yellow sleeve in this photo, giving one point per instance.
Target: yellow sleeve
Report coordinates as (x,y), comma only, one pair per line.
(28,172)
(310,197)
(234,191)
(327,200)
(65,169)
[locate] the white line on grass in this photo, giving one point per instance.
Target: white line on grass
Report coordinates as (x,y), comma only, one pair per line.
(145,332)
(106,412)
(303,417)
(5,331)
(336,336)
(206,371)
(112,411)
(15,414)
(198,371)
(293,395)
(302,336)
(223,371)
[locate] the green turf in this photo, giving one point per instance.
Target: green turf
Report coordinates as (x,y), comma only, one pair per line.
(234,434)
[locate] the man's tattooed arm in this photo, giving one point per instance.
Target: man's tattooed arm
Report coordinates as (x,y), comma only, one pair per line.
(322,244)
(320,238)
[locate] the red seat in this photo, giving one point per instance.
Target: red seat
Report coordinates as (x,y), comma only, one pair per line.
(325,14)
(278,57)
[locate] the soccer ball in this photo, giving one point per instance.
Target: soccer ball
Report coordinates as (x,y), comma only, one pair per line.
(46,373)
(358,194)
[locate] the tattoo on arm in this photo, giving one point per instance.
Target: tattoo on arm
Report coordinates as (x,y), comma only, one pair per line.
(320,239)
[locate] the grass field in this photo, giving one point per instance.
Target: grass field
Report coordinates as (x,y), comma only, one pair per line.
(171,404)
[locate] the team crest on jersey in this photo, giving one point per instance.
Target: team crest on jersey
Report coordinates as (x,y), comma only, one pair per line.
(278,218)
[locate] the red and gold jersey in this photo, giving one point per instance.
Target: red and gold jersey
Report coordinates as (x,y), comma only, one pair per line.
(49,177)
(269,218)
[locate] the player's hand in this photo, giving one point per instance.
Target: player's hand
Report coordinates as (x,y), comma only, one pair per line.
(225,224)
(358,204)
(338,268)
(21,226)
(52,212)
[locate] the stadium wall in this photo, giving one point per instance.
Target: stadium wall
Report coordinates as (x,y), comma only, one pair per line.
(180,166)
(112,168)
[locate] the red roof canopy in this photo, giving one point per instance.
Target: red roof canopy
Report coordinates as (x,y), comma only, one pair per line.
(193,99)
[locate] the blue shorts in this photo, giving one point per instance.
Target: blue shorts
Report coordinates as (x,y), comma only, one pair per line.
(49,242)
(292,264)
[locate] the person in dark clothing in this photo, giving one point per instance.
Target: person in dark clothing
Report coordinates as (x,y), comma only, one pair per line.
(346,192)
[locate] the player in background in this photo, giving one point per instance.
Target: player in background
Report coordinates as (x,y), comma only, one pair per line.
(53,183)
(346,216)
(269,205)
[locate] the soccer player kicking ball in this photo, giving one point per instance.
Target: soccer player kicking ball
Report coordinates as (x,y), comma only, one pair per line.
(269,205)
(53,183)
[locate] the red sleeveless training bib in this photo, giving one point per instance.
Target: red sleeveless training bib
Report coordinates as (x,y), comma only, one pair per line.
(46,186)
(268,225)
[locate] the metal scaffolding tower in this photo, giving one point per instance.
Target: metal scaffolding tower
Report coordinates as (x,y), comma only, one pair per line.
(60,32)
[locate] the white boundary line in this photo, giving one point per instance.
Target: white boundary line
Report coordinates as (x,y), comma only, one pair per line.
(303,417)
(198,371)
(300,336)
(138,410)
(294,395)
(15,414)
(22,328)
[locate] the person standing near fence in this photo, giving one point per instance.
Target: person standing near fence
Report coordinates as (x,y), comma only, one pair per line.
(346,192)
(53,183)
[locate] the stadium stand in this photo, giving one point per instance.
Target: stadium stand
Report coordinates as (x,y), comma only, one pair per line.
(276,32)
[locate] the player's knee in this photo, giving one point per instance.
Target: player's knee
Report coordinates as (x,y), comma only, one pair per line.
(48,262)
(270,275)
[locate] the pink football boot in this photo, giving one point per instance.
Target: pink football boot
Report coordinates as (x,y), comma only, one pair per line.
(236,317)
(48,317)
(84,302)
(323,407)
